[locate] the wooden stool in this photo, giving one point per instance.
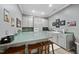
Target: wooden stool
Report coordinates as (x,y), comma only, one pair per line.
(51,43)
(34,46)
(13,50)
(41,47)
(46,46)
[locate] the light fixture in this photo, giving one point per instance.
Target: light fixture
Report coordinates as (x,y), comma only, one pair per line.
(50,5)
(33,11)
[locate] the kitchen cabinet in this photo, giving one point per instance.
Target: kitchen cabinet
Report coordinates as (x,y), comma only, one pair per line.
(62,40)
(54,37)
(65,40)
(37,22)
(27,21)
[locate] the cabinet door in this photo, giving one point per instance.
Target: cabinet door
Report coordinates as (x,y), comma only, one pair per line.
(62,40)
(27,21)
(54,38)
(69,41)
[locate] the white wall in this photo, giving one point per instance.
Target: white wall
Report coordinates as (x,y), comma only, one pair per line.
(68,14)
(14,12)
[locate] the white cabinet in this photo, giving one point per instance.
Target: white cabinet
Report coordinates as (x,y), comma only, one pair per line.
(61,39)
(39,23)
(27,21)
(65,40)
(36,22)
(54,37)
(77,47)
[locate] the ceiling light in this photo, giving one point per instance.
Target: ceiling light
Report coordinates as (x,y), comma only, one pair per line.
(33,11)
(42,13)
(50,5)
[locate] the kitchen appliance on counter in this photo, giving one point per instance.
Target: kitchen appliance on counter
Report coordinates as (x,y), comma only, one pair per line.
(7,39)
(45,29)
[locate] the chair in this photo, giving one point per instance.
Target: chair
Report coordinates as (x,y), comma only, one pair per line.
(14,50)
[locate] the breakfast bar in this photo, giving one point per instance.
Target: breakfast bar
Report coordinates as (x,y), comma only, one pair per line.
(25,38)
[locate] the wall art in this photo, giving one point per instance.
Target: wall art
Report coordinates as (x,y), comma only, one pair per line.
(62,22)
(71,23)
(7,17)
(12,22)
(18,22)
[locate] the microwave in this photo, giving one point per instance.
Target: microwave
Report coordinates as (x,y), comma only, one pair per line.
(7,39)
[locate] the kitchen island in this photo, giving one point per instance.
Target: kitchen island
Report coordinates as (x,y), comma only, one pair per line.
(28,38)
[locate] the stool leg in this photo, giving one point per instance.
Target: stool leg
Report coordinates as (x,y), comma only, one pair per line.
(45,49)
(42,49)
(48,48)
(52,48)
(39,50)
(29,51)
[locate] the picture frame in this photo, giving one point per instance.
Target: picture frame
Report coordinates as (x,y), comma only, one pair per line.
(57,20)
(12,22)
(54,24)
(18,23)
(62,22)
(57,25)
(71,23)
(7,17)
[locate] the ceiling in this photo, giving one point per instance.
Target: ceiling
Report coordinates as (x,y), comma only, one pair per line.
(42,10)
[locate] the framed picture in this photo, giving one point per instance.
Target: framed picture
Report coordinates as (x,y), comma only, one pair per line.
(57,20)
(62,22)
(71,23)
(12,22)
(54,24)
(6,16)
(57,25)
(18,22)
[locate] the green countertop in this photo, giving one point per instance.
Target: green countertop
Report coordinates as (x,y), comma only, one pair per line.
(25,37)
(30,36)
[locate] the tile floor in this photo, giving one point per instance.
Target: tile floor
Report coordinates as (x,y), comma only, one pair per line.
(59,50)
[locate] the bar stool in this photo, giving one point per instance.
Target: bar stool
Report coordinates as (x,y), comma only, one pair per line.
(41,47)
(46,46)
(37,46)
(13,50)
(51,43)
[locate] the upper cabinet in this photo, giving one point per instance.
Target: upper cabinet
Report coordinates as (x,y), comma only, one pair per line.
(27,21)
(30,21)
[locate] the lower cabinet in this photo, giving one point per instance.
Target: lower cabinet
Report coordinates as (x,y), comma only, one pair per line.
(65,40)
(54,38)
(62,40)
